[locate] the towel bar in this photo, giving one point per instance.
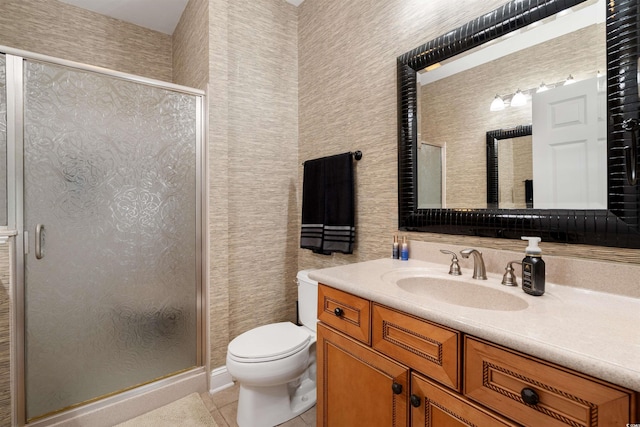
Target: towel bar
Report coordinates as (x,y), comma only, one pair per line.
(357,155)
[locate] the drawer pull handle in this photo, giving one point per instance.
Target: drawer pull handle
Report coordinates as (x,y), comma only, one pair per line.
(397,388)
(338,312)
(529,396)
(415,401)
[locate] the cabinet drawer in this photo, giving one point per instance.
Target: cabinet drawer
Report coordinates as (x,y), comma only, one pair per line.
(345,312)
(435,406)
(503,379)
(430,349)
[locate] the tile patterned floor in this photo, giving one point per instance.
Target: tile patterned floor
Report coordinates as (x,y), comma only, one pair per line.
(224,404)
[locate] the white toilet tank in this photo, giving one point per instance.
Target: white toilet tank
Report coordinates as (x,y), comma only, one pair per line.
(307,300)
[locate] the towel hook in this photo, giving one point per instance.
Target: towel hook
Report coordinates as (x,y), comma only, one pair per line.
(631,152)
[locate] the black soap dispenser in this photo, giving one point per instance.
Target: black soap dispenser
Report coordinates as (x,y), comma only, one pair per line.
(533,268)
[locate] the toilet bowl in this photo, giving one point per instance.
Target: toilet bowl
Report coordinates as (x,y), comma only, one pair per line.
(275,365)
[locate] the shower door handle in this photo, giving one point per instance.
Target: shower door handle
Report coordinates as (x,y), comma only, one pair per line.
(39,241)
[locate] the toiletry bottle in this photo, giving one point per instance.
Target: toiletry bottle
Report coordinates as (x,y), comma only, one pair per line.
(533,268)
(396,247)
(404,249)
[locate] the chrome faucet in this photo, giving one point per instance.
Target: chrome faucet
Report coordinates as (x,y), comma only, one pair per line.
(479,271)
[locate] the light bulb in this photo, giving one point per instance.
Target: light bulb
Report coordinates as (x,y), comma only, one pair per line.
(519,99)
(497,104)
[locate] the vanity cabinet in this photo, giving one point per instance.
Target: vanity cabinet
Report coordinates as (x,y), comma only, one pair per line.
(378,366)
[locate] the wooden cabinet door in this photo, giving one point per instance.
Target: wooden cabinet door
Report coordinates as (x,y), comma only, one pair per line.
(358,386)
(435,406)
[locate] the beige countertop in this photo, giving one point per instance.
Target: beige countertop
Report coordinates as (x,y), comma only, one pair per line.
(592,332)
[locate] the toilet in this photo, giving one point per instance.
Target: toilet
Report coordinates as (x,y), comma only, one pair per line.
(275,364)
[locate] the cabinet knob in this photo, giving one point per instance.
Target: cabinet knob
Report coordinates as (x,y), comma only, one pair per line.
(397,388)
(529,396)
(338,312)
(415,401)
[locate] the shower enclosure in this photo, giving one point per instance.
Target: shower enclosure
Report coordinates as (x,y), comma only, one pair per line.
(107,207)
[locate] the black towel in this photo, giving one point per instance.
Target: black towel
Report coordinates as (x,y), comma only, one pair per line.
(328,214)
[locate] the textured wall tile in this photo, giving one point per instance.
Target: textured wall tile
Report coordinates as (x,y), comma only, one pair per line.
(190,46)
(218,99)
(57,29)
(253,161)
(5,336)
(263,159)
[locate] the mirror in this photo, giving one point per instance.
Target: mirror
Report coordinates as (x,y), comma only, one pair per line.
(461,90)
(615,224)
(510,168)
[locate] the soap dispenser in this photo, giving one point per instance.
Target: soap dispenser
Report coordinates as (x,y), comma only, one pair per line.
(533,268)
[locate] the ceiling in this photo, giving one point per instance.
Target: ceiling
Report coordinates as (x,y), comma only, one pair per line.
(158,15)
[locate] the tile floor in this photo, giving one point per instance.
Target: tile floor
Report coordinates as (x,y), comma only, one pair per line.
(224,404)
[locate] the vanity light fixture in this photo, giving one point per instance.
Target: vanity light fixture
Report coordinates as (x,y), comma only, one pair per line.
(519,99)
(497,104)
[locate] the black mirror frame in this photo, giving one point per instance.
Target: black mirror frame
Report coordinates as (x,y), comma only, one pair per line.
(616,227)
(493,136)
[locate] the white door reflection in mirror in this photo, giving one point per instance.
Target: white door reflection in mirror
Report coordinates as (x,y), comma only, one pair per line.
(570,147)
(431,176)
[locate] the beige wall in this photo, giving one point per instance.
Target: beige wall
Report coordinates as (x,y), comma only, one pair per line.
(347,101)
(190,44)
(5,336)
(57,29)
(253,158)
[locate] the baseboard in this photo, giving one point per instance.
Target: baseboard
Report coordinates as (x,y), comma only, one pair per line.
(220,379)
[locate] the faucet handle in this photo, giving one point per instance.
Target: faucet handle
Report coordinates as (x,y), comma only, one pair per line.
(454,269)
(509,278)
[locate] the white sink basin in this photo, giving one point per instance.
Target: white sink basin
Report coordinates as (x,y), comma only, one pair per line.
(461,291)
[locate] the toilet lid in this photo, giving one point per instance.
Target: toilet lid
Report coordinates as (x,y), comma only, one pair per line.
(269,342)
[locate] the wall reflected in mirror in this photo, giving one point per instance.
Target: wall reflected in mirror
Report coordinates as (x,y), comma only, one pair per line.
(515,173)
(454,111)
(3,141)
(431,176)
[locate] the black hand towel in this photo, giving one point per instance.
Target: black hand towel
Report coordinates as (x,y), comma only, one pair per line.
(328,215)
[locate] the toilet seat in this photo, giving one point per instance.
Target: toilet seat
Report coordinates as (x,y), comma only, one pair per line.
(269,342)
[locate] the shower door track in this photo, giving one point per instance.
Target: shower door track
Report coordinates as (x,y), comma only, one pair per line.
(15,226)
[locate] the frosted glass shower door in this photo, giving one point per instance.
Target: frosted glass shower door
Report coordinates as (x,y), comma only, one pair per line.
(111,274)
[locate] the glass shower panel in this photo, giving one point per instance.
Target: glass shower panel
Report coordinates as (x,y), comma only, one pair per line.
(3,140)
(110,208)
